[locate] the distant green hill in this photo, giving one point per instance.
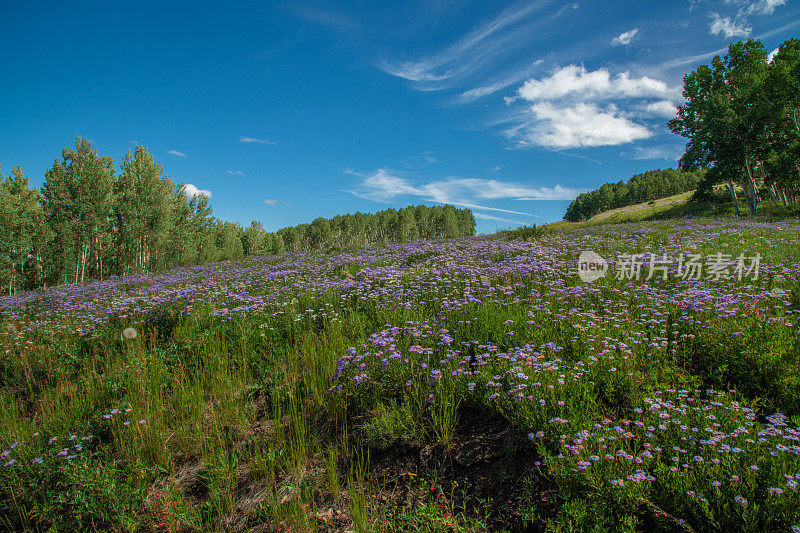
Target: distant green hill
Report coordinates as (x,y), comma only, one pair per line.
(716,204)
(643,187)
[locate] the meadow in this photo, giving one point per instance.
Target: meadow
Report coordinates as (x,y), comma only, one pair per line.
(474,384)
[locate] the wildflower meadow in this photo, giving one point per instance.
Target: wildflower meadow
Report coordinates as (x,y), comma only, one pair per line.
(472,384)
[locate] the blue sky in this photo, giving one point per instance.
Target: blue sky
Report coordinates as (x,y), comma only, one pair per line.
(283,112)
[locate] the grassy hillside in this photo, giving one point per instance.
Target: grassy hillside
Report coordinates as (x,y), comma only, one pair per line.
(644,211)
(463,385)
(683,205)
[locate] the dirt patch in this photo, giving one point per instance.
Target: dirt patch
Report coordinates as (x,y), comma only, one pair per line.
(490,471)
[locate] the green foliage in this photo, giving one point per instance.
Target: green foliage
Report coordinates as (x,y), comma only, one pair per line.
(389,424)
(527,233)
(741,118)
(240,428)
(22,233)
(88,223)
(365,229)
(142,213)
(650,185)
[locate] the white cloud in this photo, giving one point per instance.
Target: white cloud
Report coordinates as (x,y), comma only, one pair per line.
(491,86)
(479,92)
(190,191)
(271,201)
(175,152)
(764,7)
(566,8)
(624,38)
(480,47)
(331,19)
(727,27)
(484,216)
(236,173)
(662,108)
(670,153)
(425,159)
(579,126)
(756,7)
(254,140)
(383,186)
(772,55)
(576,82)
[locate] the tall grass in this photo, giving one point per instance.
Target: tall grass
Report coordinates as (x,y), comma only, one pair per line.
(208,422)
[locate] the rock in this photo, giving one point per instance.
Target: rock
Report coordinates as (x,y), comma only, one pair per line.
(326,515)
(426,458)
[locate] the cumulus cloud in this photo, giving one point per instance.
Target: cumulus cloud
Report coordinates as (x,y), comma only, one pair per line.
(254,140)
(662,108)
(772,54)
(175,152)
(727,28)
(271,201)
(580,126)
(384,186)
(566,111)
(576,82)
(624,38)
(191,191)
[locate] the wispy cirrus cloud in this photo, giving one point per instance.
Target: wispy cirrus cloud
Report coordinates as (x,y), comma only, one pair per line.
(496,84)
(484,216)
(727,27)
(330,19)
(271,201)
(425,159)
(236,173)
(244,139)
(177,153)
(567,7)
(625,38)
(756,7)
(492,39)
(668,153)
(383,185)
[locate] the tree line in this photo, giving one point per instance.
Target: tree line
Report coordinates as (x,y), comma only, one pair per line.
(650,185)
(89,222)
(742,121)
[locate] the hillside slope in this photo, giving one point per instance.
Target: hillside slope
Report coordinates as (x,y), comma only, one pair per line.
(465,385)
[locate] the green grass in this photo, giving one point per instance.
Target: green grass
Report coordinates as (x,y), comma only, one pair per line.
(719,205)
(202,423)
